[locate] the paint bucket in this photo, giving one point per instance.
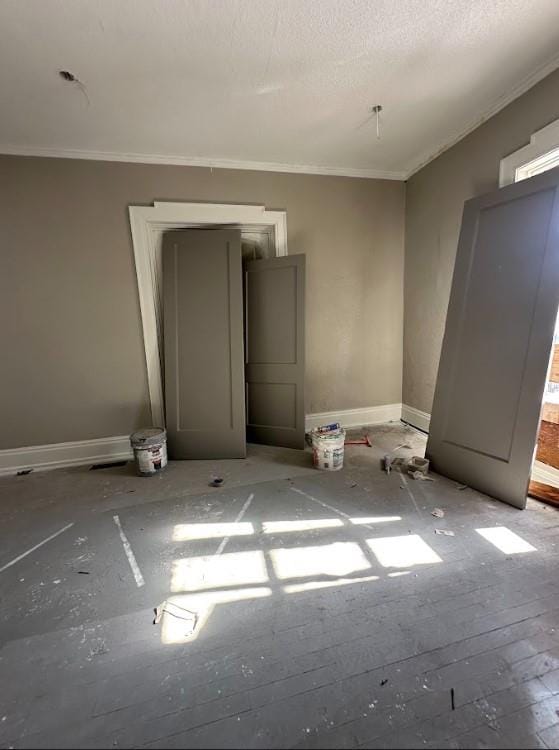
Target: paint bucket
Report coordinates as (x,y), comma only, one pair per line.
(328,449)
(150,450)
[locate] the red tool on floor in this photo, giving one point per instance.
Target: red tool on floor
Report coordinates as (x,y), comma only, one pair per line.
(362,441)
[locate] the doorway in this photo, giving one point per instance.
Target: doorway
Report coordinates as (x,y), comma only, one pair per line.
(544,480)
(147,226)
(539,156)
(219,390)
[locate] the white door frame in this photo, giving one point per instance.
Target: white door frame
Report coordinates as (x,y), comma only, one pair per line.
(147,224)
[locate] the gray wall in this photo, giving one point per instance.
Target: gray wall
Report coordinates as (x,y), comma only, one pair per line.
(73,364)
(434,200)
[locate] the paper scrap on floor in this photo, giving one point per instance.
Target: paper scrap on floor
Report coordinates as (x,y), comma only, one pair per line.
(170,609)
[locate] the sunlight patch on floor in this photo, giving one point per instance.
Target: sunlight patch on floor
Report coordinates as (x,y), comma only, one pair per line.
(336,559)
(296,588)
(218,571)
(403,551)
(506,540)
(175,630)
(280,527)
(186,532)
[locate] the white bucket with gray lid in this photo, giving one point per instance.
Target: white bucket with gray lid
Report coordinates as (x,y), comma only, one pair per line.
(328,449)
(150,450)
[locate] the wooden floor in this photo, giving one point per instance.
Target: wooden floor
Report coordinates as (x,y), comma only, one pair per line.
(544,492)
(329,611)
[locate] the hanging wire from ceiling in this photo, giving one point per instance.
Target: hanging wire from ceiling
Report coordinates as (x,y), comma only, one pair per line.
(71,78)
(376,109)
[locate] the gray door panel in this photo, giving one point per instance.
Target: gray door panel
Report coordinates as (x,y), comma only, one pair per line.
(275,350)
(203,341)
(498,337)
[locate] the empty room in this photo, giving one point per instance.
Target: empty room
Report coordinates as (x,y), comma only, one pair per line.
(279,374)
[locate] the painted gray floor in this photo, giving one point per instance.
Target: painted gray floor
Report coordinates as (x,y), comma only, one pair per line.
(330,614)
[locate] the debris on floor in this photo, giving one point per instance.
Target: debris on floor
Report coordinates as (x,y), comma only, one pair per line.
(170,609)
(112,465)
(394,462)
(216,482)
(437,512)
(24,472)
(416,467)
(361,441)
(383,682)
(390,460)
(445,532)
(416,463)
(420,475)
(452,698)
(461,486)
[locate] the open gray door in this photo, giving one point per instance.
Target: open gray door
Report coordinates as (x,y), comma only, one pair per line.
(203,337)
(498,337)
(275,350)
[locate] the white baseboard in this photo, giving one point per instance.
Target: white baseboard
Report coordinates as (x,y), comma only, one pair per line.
(416,418)
(58,455)
(105,450)
(545,474)
(356,417)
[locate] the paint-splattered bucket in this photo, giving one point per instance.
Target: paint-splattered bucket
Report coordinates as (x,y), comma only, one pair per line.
(328,450)
(150,450)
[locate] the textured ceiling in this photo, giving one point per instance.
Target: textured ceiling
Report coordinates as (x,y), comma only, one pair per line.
(287,82)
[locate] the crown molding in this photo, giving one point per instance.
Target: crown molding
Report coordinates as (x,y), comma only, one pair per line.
(263,166)
(195,161)
(527,83)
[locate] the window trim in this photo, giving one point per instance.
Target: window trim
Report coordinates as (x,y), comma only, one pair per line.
(529,159)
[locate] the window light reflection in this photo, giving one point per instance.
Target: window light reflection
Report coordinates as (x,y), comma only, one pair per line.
(336,559)
(296,588)
(506,540)
(186,532)
(218,571)
(403,551)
